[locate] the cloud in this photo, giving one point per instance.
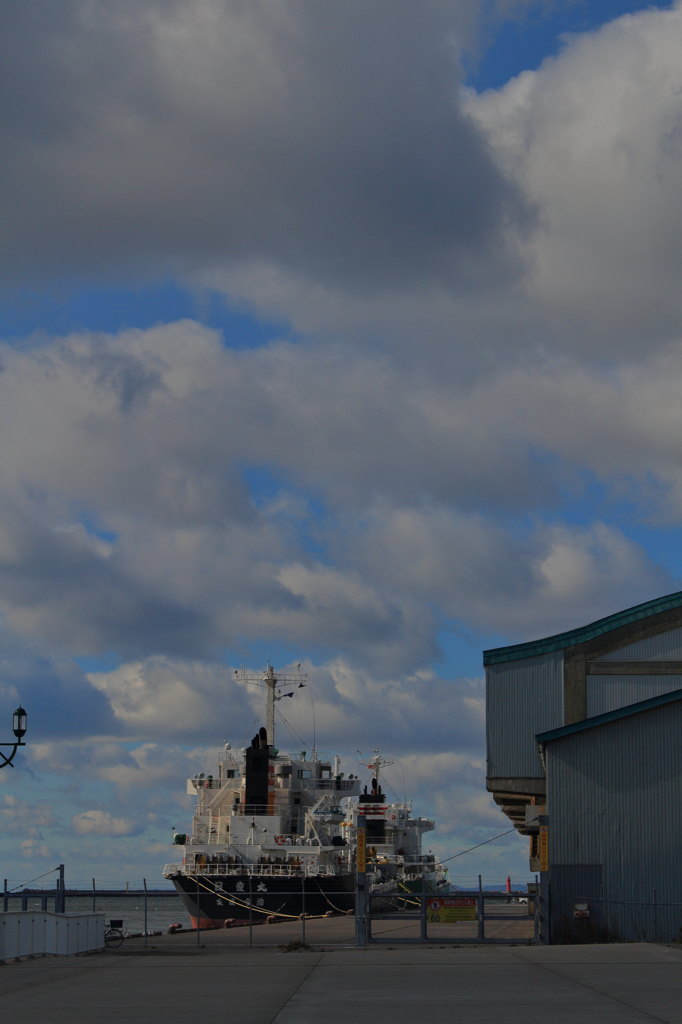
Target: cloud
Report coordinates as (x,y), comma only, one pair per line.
(99,551)
(32,848)
(162,697)
(101,823)
(593,139)
(354,708)
(19,818)
(56,694)
(524,585)
(246,133)
(471,411)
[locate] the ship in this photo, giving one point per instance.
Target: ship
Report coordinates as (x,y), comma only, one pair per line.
(274,834)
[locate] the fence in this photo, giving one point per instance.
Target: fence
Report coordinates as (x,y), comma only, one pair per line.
(42,933)
(479,918)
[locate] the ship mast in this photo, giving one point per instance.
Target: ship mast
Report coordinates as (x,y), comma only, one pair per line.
(270,680)
(273,684)
(376,763)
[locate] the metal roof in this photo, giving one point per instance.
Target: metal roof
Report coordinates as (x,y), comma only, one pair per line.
(609,716)
(583,633)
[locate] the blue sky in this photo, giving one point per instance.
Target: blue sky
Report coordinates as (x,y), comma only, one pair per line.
(348,336)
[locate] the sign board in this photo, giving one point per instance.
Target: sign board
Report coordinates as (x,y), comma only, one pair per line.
(543,847)
(445,909)
(361,860)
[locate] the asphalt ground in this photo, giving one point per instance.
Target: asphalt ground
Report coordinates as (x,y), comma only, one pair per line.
(275,981)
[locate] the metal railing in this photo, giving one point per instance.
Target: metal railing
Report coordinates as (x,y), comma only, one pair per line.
(253,870)
(338,785)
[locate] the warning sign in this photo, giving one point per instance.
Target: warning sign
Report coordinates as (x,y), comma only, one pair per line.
(361,851)
(445,909)
(543,845)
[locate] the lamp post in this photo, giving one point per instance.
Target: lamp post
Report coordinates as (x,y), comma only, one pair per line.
(19,719)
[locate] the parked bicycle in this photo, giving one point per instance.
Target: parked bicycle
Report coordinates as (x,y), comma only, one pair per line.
(114,934)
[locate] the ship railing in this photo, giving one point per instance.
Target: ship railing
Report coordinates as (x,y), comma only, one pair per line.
(215,838)
(269,870)
(333,783)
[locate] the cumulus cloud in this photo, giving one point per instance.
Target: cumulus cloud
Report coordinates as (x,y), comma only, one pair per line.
(527,586)
(32,848)
(19,818)
(481,328)
(127,525)
(276,130)
(593,139)
(101,823)
(342,705)
(55,692)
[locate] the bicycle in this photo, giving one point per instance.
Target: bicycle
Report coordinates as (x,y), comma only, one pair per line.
(114,934)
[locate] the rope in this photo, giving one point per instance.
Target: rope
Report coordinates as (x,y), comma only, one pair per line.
(462,852)
(22,885)
(249,906)
(239,903)
(326,897)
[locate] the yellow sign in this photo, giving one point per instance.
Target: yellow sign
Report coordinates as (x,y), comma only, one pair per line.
(445,909)
(361,855)
(543,847)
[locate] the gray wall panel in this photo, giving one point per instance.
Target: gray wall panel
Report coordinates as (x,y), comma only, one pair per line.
(522,698)
(606,693)
(614,794)
(662,647)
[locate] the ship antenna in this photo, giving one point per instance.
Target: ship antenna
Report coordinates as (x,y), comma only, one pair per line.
(271,681)
(376,763)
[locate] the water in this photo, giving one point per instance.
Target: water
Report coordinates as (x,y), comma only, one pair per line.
(162,911)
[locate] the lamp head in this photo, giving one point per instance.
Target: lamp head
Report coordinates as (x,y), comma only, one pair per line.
(19,719)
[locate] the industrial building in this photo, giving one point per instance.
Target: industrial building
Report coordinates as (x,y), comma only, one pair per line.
(584,756)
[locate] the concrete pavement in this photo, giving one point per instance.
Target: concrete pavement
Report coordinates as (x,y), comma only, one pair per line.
(173,978)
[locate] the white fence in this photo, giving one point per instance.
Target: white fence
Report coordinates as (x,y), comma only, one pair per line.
(39,933)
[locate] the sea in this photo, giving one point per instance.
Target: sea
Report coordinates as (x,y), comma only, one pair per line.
(161,911)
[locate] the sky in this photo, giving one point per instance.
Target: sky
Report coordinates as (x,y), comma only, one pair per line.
(347,334)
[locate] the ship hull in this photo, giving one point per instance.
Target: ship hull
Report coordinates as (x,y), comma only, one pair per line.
(213,900)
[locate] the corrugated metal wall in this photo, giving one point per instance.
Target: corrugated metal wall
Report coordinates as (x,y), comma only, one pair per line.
(662,647)
(523,698)
(606,693)
(614,797)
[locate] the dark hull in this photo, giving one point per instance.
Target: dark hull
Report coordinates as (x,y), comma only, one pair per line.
(211,900)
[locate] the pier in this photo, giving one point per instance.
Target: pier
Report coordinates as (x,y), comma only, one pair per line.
(279,982)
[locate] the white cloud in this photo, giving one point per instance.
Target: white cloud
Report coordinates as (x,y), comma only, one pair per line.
(102,823)
(96,553)
(32,848)
(593,138)
(18,817)
(160,697)
(486,293)
(244,133)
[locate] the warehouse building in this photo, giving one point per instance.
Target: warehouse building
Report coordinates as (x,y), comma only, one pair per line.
(584,756)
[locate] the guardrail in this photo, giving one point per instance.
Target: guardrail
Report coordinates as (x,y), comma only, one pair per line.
(256,870)
(41,933)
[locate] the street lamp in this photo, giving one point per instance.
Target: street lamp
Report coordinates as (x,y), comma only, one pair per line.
(19,719)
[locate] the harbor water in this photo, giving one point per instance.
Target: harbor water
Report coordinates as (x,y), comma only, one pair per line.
(162,911)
